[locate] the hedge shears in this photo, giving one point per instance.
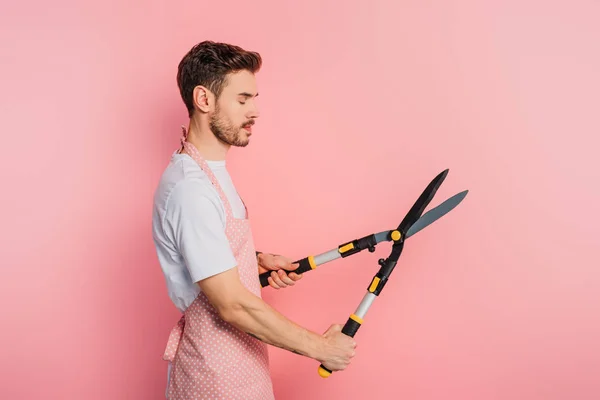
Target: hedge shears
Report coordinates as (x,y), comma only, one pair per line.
(413,222)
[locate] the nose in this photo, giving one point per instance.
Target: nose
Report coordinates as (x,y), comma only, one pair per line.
(254,111)
(253,114)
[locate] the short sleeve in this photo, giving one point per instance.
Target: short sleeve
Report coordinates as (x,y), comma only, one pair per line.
(197,222)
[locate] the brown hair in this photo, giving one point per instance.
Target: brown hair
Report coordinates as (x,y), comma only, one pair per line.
(208,63)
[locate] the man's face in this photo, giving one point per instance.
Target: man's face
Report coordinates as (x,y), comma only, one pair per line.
(235,111)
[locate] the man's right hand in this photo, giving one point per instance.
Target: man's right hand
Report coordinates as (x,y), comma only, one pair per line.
(339,349)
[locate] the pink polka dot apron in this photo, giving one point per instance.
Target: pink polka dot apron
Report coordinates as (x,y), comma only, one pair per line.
(211,359)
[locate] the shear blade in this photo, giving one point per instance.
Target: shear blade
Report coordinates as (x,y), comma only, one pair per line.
(422,202)
(436,213)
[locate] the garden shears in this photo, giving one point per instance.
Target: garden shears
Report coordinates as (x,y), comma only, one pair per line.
(413,222)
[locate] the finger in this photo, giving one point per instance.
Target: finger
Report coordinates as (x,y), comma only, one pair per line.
(277,280)
(286,279)
(332,329)
(294,276)
(272,283)
(289,266)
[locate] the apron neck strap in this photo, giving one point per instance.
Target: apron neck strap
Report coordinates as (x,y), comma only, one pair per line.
(195,154)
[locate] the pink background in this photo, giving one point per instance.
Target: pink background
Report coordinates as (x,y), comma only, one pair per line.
(498,300)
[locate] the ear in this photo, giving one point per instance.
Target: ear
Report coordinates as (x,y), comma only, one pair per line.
(202,98)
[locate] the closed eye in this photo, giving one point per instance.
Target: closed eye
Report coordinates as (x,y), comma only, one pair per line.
(246,96)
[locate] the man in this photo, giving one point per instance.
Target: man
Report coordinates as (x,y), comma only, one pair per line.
(206,251)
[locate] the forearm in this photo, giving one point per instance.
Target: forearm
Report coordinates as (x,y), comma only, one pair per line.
(255,317)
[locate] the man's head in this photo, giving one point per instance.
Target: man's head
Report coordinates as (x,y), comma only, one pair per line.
(216,82)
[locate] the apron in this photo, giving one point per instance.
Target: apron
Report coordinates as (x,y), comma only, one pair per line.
(210,358)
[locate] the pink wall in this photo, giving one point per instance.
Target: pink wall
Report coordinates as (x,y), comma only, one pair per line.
(499,300)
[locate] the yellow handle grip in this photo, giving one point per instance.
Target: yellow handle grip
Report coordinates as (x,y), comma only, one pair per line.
(324,372)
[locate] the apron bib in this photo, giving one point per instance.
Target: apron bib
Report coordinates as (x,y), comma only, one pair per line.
(210,358)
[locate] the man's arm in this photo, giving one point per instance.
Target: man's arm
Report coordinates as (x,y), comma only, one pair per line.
(195,219)
(249,313)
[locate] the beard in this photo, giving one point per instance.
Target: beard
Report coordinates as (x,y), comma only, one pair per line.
(226,132)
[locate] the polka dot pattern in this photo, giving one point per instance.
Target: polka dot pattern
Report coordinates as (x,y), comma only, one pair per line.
(211,359)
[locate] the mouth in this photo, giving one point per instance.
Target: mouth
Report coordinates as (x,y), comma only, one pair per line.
(248,128)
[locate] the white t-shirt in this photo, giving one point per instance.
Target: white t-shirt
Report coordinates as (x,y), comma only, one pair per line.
(188,226)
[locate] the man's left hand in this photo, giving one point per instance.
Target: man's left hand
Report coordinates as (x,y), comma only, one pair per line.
(278,265)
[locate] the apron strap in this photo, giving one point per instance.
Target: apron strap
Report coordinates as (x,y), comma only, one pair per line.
(193,152)
(174,339)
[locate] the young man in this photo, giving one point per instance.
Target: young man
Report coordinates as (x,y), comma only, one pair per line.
(204,243)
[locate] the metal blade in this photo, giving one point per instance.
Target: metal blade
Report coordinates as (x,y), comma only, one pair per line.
(436,213)
(419,206)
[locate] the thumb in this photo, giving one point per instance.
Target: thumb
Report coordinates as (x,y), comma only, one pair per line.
(288,265)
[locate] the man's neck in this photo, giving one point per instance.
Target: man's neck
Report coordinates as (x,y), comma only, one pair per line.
(209,147)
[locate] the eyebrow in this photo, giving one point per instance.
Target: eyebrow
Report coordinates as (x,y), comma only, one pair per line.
(246,94)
